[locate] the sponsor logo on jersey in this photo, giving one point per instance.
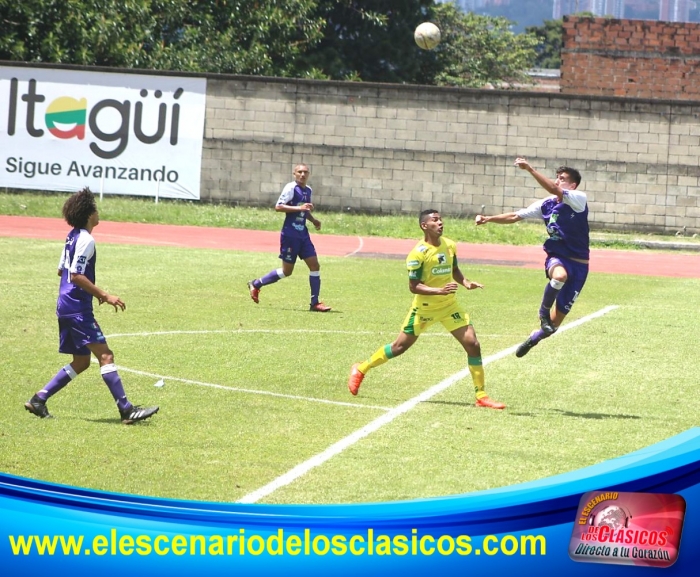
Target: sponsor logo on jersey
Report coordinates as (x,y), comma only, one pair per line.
(441,270)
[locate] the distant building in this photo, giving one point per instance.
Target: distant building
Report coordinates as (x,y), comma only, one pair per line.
(476,5)
(674,10)
(614,8)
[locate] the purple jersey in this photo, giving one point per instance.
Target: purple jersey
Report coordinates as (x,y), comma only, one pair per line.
(294,194)
(78,257)
(566,222)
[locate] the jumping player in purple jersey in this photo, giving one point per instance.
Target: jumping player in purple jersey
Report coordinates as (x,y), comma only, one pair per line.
(295,241)
(79,333)
(565,214)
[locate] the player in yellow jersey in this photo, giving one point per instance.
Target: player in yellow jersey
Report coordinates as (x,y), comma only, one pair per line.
(433,277)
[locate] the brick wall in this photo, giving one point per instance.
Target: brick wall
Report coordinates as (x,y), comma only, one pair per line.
(631,58)
(395,148)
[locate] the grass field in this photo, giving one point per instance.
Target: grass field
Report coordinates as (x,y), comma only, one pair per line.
(229,425)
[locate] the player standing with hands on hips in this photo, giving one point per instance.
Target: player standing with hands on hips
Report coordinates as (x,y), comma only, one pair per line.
(565,214)
(295,241)
(79,333)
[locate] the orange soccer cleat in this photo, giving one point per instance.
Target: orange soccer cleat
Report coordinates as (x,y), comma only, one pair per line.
(355,379)
(254,292)
(319,308)
(489,403)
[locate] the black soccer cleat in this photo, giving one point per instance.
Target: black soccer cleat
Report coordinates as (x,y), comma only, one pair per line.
(136,413)
(37,406)
(546,323)
(524,348)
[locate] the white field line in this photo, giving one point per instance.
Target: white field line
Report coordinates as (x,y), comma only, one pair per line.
(358,249)
(375,425)
(249,391)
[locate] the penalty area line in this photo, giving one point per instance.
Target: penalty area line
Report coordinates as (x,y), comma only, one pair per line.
(337,448)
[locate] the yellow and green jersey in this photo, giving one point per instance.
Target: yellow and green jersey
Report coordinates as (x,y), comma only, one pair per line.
(433,266)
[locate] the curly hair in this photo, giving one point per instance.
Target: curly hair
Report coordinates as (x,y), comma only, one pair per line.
(78,208)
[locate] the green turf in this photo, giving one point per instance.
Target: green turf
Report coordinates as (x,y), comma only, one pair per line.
(608,387)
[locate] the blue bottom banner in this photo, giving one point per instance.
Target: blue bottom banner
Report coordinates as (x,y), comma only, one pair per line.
(639,510)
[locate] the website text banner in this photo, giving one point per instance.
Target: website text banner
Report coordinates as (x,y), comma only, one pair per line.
(116,133)
(524,530)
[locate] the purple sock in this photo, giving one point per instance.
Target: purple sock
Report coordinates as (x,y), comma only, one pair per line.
(111,378)
(269,278)
(548,298)
(537,335)
(315,284)
(60,380)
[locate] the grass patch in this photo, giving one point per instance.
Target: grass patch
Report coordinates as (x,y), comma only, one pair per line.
(609,387)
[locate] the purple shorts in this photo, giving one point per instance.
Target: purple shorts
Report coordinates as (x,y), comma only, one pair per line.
(75,333)
(293,247)
(576,273)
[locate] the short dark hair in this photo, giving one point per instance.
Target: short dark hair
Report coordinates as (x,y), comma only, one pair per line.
(574,175)
(78,208)
(425,213)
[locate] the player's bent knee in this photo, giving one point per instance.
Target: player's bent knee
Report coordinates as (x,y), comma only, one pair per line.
(107,358)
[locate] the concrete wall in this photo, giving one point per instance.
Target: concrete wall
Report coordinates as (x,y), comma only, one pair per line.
(393,148)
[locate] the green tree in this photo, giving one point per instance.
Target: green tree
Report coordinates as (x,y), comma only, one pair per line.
(549,45)
(370,40)
(550,38)
(235,36)
(478,50)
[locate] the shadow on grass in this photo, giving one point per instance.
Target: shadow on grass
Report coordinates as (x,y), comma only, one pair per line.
(574,414)
(517,413)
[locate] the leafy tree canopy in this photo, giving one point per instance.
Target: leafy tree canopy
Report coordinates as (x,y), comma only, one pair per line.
(478,50)
(370,40)
(236,36)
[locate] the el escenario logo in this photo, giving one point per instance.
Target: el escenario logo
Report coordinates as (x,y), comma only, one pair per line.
(641,529)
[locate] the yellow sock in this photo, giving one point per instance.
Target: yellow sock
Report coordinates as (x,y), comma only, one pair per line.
(380,357)
(477,371)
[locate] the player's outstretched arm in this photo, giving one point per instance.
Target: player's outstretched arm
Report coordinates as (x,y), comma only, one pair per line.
(505,218)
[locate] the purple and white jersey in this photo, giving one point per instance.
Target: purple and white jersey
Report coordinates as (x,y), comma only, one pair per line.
(294,194)
(566,222)
(78,257)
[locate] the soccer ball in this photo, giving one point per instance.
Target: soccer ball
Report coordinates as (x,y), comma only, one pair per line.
(427,35)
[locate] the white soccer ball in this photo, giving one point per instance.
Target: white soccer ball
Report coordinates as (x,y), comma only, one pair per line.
(427,35)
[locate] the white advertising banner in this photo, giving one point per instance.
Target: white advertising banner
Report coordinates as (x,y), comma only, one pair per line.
(116,133)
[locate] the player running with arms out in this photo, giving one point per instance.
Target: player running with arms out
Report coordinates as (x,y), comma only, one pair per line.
(433,277)
(565,214)
(295,241)
(79,333)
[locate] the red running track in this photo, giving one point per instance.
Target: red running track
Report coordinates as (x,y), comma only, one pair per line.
(637,262)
